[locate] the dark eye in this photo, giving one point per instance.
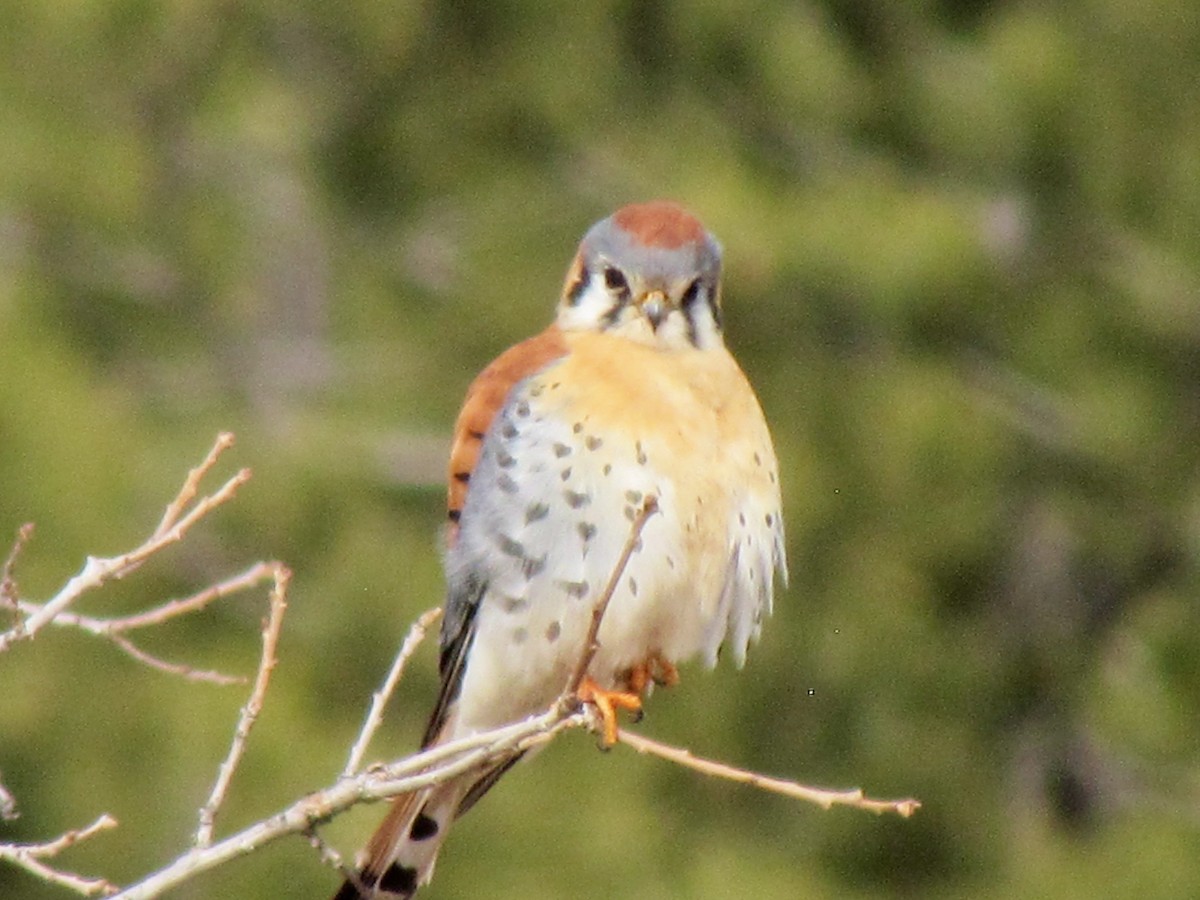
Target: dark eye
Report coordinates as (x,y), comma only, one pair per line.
(614,280)
(690,295)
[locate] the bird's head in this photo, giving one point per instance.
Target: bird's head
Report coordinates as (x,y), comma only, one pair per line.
(651,273)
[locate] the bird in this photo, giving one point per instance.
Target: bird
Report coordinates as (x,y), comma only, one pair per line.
(629,396)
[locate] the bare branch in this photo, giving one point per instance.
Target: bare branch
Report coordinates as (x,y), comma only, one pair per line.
(8,583)
(820,796)
(29,857)
(592,645)
(191,484)
(378,783)
(8,805)
(379,699)
(250,711)
(113,629)
(98,570)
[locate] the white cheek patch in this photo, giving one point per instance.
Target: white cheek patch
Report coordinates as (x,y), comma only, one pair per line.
(592,310)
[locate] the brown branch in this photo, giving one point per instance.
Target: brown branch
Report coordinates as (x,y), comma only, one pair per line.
(249,714)
(98,570)
(29,857)
(592,644)
(8,583)
(379,699)
(191,484)
(820,796)
(113,629)
(8,805)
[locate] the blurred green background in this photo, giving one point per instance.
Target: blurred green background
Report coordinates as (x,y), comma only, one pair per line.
(961,270)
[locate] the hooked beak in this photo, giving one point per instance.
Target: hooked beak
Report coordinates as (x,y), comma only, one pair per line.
(654,307)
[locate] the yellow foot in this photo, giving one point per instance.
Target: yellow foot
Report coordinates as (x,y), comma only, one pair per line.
(607,703)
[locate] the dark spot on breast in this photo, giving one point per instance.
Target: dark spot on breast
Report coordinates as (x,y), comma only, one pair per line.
(772,477)
(633,496)
(509,430)
(505,460)
(536,390)
(423,827)
(463,477)
(514,604)
(399,879)
(671,562)
(553,630)
(520,635)
(561,449)
(575,500)
(630,513)
(533,567)
(741,518)
(586,530)
(566,473)
(506,484)
(577,427)
(535,512)
(475,435)
(577,589)
(633,585)
(770,520)
(757,459)
(641,454)
(593,443)
(509,547)
(523,409)
(607,468)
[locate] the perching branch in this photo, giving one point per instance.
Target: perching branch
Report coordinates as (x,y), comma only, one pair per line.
(437,765)
(29,857)
(826,799)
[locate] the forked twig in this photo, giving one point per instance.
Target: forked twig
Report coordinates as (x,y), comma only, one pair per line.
(29,857)
(99,570)
(592,644)
(380,698)
(822,797)
(249,714)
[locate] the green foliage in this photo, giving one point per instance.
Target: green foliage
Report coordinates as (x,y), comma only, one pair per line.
(961,245)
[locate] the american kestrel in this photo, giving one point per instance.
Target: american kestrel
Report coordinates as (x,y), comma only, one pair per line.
(630,394)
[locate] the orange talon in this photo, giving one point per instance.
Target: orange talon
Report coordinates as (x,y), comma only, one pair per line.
(607,703)
(663,671)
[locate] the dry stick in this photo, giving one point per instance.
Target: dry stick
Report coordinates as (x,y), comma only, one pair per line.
(271,628)
(8,584)
(29,857)
(378,783)
(380,698)
(191,484)
(592,646)
(98,570)
(820,796)
(8,804)
(112,629)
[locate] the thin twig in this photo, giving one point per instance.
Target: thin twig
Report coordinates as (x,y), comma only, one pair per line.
(8,804)
(113,629)
(475,753)
(250,711)
(8,583)
(820,796)
(99,570)
(380,698)
(29,857)
(592,645)
(191,484)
